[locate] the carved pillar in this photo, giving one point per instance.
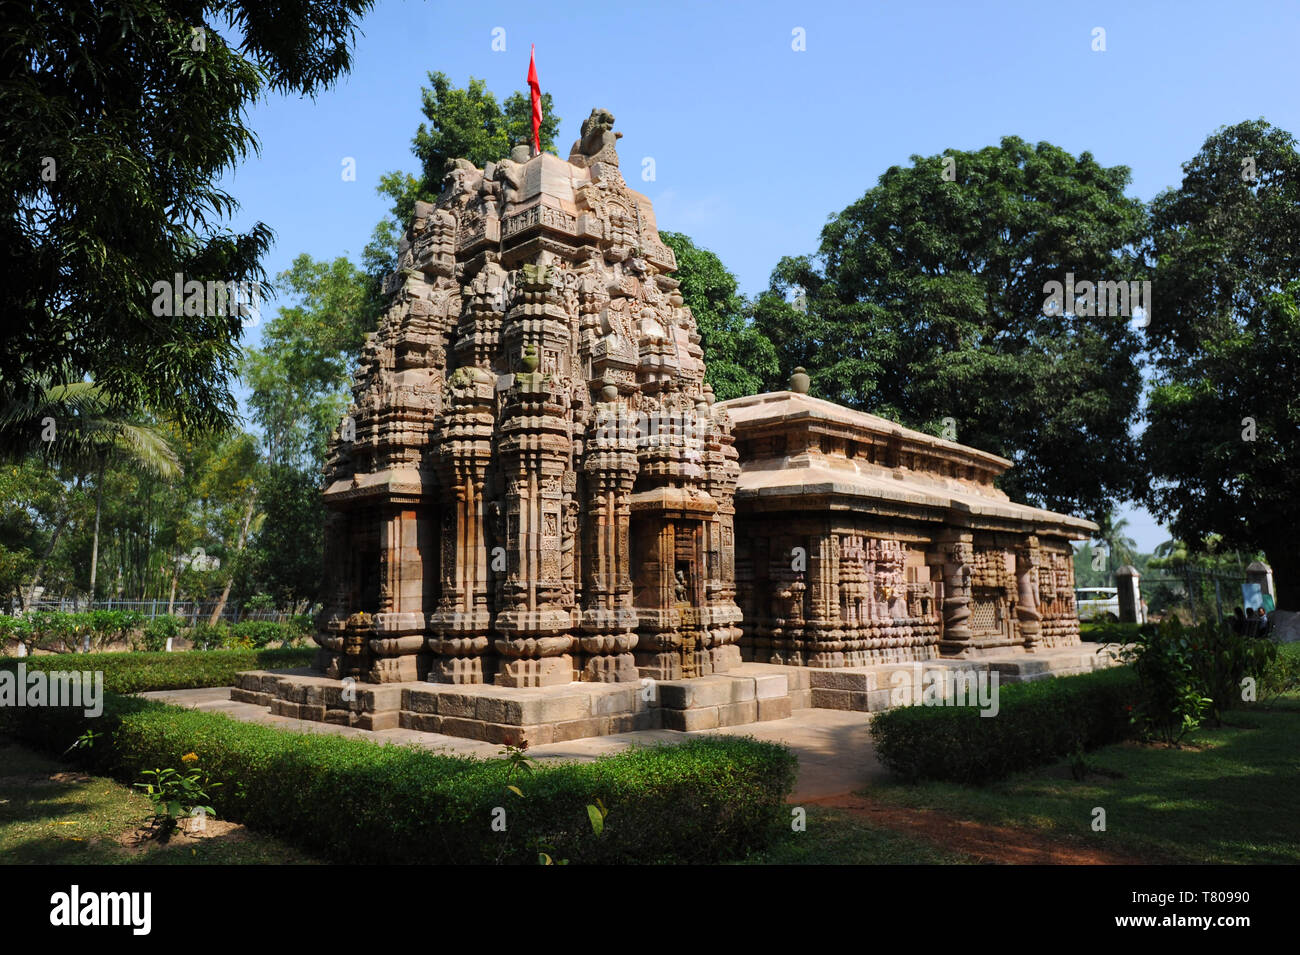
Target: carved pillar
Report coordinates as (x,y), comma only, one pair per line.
(827,649)
(460,624)
(954,553)
(608,618)
(1028,616)
(399,626)
(533,625)
(721,473)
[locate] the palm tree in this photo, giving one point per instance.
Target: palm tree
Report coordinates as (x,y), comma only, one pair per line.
(1111,533)
(82,428)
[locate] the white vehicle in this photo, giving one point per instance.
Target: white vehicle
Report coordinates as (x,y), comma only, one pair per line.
(1097,603)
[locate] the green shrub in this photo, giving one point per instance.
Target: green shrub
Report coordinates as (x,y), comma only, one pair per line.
(1036,723)
(211,636)
(141,672)
(58,632)
(1223,659)
(14,630)
(1188,674)
(159,630)
(351,800)
(1172,696)
(112,626)
(1282,675)
(260,633)
(1110,631)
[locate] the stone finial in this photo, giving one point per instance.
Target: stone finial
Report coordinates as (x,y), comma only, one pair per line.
(598,140)
(800,381)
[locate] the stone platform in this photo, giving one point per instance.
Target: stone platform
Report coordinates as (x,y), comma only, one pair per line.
(750,693)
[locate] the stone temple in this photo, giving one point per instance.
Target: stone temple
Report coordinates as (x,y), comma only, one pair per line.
(535,488)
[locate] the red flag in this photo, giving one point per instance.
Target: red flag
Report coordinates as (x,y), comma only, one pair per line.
(536,92)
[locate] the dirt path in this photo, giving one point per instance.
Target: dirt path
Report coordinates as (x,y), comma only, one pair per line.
(1002,845)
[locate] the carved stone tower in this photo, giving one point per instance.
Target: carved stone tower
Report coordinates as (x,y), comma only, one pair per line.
(533,484)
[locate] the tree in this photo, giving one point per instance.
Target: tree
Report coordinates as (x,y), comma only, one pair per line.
(299,378)
(1120,548)
(464,123)
(286,557)
(1223,424)
(87,430)
(739,357)
(118,119)
(926,303)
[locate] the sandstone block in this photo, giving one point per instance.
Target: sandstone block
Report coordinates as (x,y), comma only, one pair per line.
(386,720)
(703,718)
(738,714)
(770,687)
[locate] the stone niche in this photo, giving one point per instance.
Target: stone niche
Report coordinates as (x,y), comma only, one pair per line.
(534,484)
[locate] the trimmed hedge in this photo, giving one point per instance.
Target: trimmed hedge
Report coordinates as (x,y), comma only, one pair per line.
(351,800)
(1037,723)
(141,672)
(1111,631)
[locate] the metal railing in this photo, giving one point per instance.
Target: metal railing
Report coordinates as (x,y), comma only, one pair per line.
(191,611)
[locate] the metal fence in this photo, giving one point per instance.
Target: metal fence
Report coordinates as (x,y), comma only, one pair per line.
(188,610)
(1199,591)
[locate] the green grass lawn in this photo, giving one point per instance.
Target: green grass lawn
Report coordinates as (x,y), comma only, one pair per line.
(51,814)
(834,837)
(1228,796)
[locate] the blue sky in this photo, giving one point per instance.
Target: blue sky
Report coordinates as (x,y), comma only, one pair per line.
(755,143)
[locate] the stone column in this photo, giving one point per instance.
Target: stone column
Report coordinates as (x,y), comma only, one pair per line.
(1028,616)
(533,624)
(823,589)
(460,624)
(1130,597)
(608,619)
(955,553)
(721,473)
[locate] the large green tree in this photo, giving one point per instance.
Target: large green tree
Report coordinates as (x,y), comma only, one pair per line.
(118,119)
(926,301)
(740,358)
(464,123)
(1222,440)
(298,379)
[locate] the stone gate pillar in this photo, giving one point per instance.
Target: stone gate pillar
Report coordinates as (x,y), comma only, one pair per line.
(1130,597)
(1262,574)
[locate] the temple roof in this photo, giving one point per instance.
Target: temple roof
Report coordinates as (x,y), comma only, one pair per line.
(935,479)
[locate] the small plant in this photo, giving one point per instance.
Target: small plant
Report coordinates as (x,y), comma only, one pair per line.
(177,795)
(597,814)
(1172,698)
(85,741)
(517,764)
(159,630)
